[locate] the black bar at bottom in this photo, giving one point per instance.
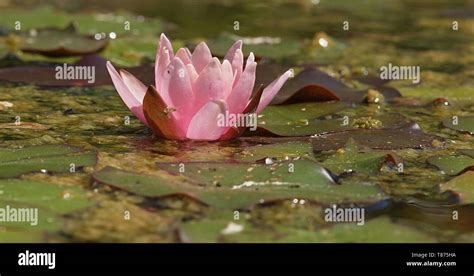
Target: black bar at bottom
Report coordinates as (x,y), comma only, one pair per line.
(382,259)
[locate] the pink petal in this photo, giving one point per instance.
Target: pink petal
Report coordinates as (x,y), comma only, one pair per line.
(193,75)
(210,84)
(134,85)
(271,90)
(238,65)
(160,71)
(181,92)
(205,124)
(228,77)
(242,91)
(184,55)
(129,98)
(163,45)
(201,57)
(232,50)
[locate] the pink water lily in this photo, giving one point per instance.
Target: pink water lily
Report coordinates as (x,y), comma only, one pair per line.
(192,89)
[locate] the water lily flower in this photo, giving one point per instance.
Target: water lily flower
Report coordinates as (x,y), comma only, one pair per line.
(192,89)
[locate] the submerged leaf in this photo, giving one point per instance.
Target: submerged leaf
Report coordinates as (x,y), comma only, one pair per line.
(276,152)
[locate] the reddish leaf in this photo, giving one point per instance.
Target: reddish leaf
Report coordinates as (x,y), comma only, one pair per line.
(46,75)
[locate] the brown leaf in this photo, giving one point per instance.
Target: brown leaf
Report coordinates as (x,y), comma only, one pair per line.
(314,85)
(45,76)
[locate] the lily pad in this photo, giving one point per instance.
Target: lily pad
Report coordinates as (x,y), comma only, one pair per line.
(452,165)
(45,75)
(47,158)
(410,136)
(46,204)
(463,186)
(304,119)
(314,85)
(269,47)
(296,119)
(351,159)
(468,152)
(239,185)
(87,23)
(380,229)
(463,124)
(61,43)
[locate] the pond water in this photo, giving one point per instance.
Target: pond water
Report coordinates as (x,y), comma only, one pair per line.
(104,177)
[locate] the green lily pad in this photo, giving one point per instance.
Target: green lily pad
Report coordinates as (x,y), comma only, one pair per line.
(44,203)
(463,186)
(239,185)
(452,165)
(277,152)
(261,46)
(351,159)
(50,158)
(87,23)
(410,136)
(225,229)
(297,119)
(380,229)
(463,124)
(61,43)
(468,152)
(304,119)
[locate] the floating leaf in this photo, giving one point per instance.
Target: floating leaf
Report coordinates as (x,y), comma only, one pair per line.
(297,119)
(46,75)
(50,158)
(351,159)
(462,124)
(238,185)
(45,203)
(380,229)
(452,165)
(88,23)
(463,186)
(61,43)
(271,47)
(304,119)
(314,85)
(405,137)
(468,152)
